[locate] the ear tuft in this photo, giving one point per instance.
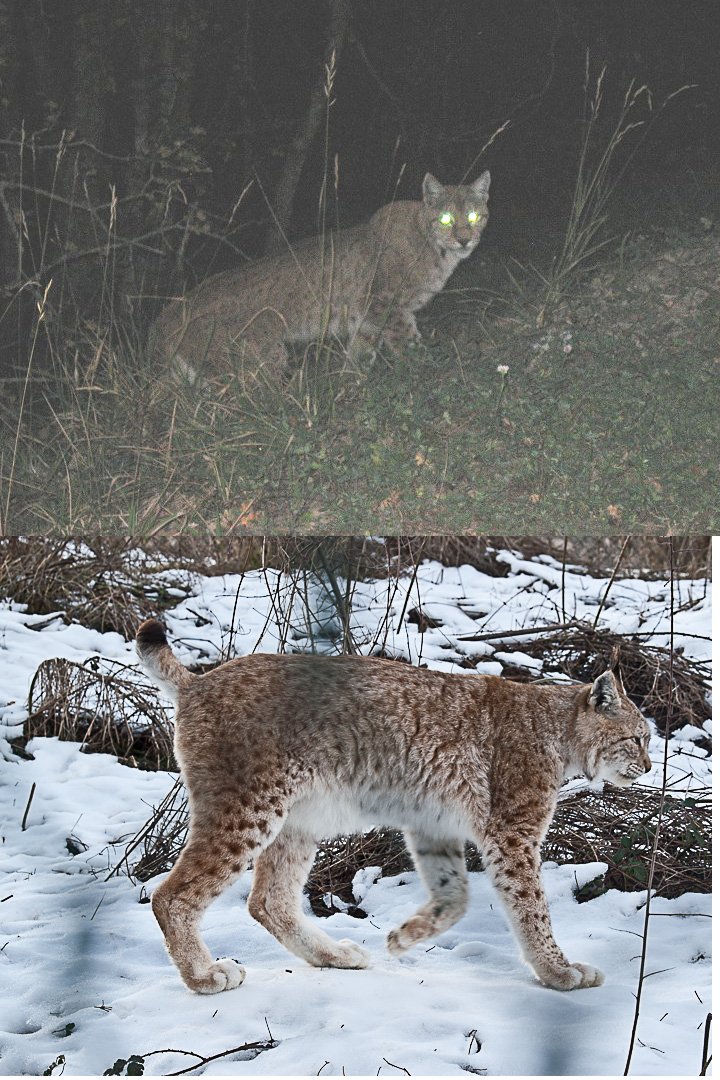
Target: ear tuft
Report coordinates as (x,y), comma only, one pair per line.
(481,187)
(433,190)
(604,695)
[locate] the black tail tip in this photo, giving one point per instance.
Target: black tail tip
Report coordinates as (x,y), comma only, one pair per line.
(151,633)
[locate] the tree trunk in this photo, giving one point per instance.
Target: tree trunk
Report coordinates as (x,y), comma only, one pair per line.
(339,29)
(10,242)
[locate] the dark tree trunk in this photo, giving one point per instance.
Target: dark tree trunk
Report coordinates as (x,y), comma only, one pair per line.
(338,32)
(10,119)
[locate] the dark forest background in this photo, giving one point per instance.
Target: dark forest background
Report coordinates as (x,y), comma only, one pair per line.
(144,145)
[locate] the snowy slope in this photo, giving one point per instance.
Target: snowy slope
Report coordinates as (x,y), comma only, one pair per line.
(79,949)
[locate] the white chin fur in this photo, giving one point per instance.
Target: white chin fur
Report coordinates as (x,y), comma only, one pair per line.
(623,781)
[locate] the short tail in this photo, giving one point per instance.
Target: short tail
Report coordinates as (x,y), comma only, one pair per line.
(156,657)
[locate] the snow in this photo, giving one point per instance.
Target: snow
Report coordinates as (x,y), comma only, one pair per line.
(79,947)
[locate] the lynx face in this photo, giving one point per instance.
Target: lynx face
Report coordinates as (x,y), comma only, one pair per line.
(456,216)
(621,738)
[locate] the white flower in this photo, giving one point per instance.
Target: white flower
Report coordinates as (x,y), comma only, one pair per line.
(503,369)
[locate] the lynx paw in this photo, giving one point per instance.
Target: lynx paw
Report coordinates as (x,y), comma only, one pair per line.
(349,955)
(573,977)
(395,944)
(418,928)
(589,975)
(222,975)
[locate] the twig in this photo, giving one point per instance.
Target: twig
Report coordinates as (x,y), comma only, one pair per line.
(413,577)
(656,838)
(706,1040)
(27,808)
(400,1068)
(572,624)
(343,609)
(260,1045)
(226,654)
(610,583)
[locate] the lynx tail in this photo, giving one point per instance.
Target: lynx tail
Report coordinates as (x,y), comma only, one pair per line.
(157,659)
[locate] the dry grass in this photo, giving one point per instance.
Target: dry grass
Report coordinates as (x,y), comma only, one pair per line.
(97,705)
(583,654)
(159,842)
(597,177)
(596,555)
(92,582)
(617,826)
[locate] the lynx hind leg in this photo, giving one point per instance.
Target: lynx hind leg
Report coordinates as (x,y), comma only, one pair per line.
(219,849)
(441,864)
(280,872)
(513,862)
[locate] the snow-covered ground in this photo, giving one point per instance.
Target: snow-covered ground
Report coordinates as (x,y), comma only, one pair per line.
(83,971)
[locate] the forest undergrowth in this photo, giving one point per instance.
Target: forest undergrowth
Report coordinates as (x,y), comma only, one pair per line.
(567,380)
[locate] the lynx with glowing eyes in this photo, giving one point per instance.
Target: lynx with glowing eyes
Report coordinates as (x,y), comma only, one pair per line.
(371,280)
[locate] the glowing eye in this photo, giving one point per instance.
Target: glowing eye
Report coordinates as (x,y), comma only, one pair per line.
(472,217)
(446,218)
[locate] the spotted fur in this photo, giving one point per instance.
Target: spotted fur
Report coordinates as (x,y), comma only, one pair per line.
(363,285)
(279,751)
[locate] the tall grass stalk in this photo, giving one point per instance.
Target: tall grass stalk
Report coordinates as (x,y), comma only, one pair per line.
(659,822)
(596,180)
(41,309)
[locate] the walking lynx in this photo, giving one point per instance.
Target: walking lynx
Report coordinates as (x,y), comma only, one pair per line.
(278,751)
(362,284)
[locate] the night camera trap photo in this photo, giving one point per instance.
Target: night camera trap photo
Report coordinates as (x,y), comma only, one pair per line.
(357,267)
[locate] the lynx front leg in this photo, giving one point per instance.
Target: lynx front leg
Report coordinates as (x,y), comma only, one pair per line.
(386,322)
(280,873)
(441,864)
(513,862)
(398,328)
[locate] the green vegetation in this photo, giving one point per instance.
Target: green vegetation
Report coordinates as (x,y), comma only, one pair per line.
(607,417)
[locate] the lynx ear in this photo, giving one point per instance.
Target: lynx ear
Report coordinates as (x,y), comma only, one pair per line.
(433,190)
(481,186)
(604,695)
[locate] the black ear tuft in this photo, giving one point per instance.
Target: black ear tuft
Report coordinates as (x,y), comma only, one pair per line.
(604,694)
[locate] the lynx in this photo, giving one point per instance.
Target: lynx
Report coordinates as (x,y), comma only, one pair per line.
(363,284)
(278,751)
